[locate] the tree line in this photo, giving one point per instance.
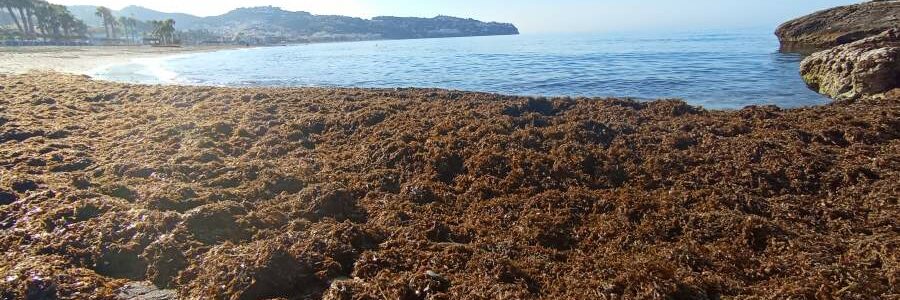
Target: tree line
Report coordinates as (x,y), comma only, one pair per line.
(164,31)
(39,18)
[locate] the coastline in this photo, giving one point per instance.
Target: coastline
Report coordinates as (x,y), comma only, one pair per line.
(82,60)
(114,189)
(387,193)
(579,76)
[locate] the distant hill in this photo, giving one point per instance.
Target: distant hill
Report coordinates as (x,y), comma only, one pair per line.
(275,24)
(146,14)
(86,14)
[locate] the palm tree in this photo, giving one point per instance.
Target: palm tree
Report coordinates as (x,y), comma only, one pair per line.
(44,16)
(9,5)
(79,28)
(60,19)
(129,26)
(113,26)
(156,25)
(30,7)
(67,22)
(101,13)
(164,31)
(52,20)
(24,8)
(109,22)
(124,22)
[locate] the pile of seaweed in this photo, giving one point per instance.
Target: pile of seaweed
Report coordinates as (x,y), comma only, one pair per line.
(434,194)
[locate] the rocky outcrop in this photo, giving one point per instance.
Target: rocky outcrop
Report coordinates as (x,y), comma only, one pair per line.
(838,26)
(863,68)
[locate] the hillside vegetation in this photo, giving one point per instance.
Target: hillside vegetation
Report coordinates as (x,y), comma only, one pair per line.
(272,24)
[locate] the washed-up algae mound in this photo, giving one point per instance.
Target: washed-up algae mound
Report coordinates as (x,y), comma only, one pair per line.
(221,193)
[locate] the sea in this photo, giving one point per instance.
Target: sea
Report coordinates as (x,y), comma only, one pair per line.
(721,70)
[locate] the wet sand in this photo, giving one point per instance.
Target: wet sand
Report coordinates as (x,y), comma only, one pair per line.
(430,194)
(81,60)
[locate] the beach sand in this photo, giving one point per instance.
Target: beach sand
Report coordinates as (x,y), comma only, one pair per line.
(81,60)
(308,193)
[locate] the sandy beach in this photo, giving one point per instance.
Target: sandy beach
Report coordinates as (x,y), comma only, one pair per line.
(80,60)
(308,193)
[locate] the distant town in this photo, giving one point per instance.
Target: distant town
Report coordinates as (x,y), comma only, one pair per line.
(38,22)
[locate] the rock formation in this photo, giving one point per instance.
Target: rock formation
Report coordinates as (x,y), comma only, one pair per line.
(838,26)
(863,68)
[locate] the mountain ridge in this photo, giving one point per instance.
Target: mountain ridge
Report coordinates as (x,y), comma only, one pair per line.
(274,24)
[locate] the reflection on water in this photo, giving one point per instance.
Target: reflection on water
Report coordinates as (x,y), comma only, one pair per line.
(721,70)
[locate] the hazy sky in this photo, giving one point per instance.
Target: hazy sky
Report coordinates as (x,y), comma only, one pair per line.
(532,16)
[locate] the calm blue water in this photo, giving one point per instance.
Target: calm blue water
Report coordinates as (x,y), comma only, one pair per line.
(722,70)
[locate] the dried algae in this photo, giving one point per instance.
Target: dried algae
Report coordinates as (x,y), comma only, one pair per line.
(224,193)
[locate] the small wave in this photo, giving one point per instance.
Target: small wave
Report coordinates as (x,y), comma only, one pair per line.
(155,67)
(140,70)
(704,69)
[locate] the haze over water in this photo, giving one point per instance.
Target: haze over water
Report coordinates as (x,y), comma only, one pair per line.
(715,70)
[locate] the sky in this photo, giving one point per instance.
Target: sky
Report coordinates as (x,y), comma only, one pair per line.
(531,16)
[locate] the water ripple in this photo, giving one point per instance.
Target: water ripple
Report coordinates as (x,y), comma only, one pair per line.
(715,70)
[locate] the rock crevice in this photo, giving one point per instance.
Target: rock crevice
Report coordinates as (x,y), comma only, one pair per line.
(863,68)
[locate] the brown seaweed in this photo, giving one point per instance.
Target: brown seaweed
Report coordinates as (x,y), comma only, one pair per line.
(431,194)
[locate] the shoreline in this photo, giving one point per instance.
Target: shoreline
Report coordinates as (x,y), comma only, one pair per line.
(83,60)
(138,72)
